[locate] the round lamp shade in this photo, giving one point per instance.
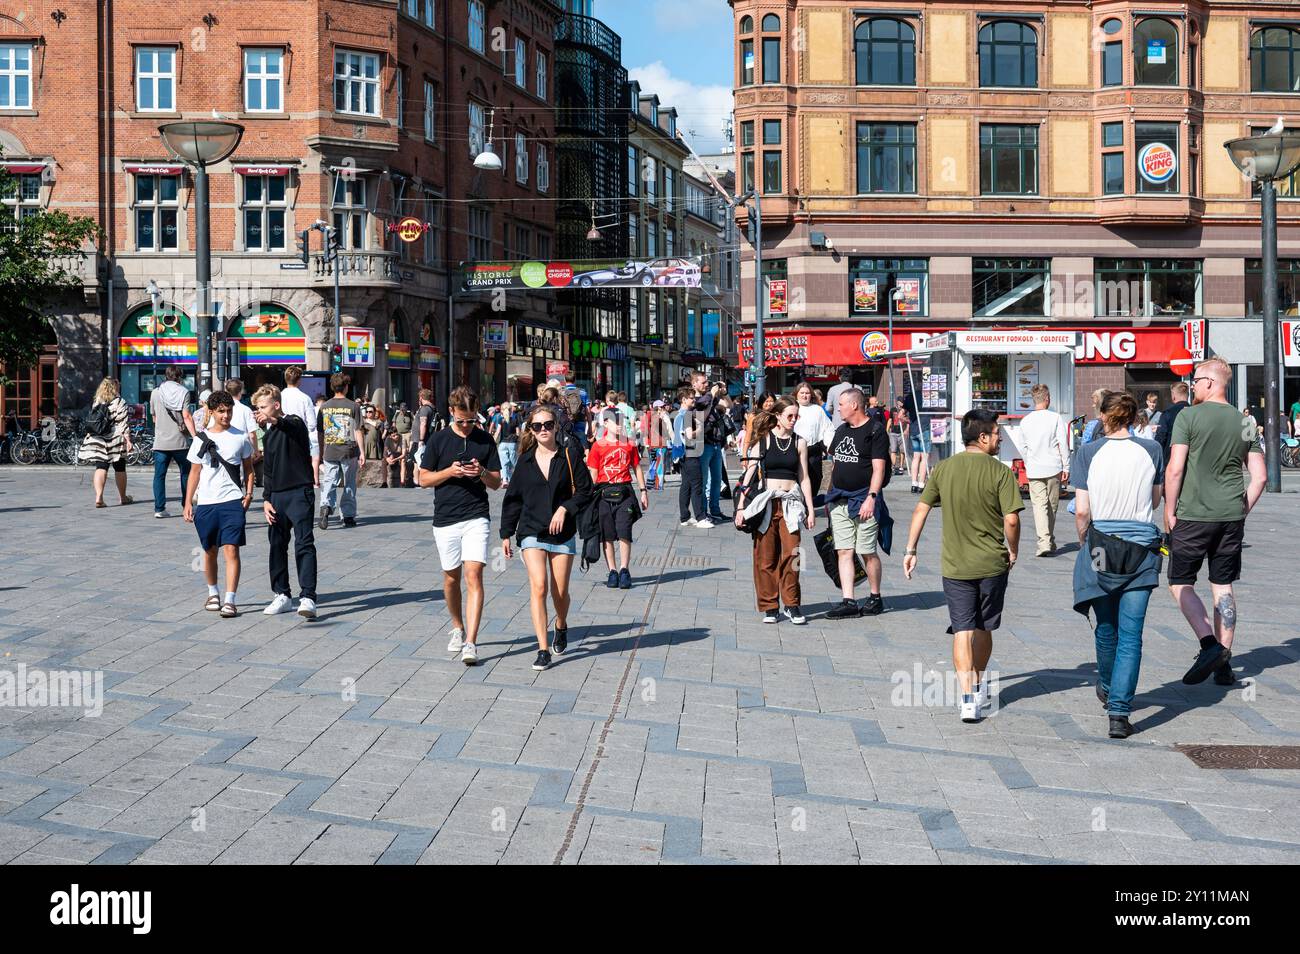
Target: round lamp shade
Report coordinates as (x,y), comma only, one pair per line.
(488,160)
(1266,156)
(201,144)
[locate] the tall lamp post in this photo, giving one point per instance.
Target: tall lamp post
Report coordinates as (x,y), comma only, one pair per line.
(1266,158)
(754,214)
(200,145)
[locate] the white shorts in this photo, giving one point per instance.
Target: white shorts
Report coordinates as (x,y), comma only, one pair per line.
(464,542)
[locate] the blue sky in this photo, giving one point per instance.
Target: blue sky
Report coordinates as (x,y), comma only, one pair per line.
(680,49)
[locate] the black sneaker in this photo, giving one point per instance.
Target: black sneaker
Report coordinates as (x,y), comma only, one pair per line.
(1224,676)
(624,579)
(848,609)
(1207,660)
(561,641)
(349,521)
(1120,728)
(543,660)
(771,616)
(1104,696)
(323,521)
(873,605)
(795,615)
(612,580)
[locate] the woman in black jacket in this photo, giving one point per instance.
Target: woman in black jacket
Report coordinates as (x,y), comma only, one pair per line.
(550,479)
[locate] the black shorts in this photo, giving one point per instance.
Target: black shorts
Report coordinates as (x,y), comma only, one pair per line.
(975,604)
(1191,541)
(616,516)
(119,466)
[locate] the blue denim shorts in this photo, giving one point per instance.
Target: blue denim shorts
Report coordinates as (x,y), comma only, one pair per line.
(569,547)
(220,524)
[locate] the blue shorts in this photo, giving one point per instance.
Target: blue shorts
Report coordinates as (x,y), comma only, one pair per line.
(569,547)
(220,524)
(917,446)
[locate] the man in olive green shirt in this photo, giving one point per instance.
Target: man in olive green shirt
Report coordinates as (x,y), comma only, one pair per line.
(1206,503)
(981,534)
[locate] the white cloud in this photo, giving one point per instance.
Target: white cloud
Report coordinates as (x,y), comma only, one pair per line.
(701,110)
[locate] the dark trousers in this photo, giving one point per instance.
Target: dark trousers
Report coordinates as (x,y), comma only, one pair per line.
(692,490)
(815,471)
(293,511)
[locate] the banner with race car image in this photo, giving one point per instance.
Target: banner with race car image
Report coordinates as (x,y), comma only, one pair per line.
(669,272)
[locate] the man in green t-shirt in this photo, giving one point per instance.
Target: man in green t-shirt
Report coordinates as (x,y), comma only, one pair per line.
(1294,419)
(981,534)
(1206,503)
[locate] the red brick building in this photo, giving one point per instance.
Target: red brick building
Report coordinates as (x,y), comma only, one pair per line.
(356,113)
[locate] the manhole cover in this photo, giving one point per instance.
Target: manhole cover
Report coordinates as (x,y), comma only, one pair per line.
(1243,756)
(657,559)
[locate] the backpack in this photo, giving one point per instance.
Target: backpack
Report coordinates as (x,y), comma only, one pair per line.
(717,425)
(402,421)
(100,421)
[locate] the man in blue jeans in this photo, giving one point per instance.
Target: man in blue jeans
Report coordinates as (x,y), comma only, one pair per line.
(714,425)
(173,429)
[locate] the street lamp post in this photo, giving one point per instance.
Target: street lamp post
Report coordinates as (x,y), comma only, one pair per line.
(895,296)
(1265,158)
(200,145)
(759,365)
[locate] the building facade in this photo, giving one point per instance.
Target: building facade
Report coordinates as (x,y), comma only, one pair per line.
(357,114)
(1060,165)
(712,310)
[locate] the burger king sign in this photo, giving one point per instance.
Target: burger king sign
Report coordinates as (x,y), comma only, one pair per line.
(873,345)
(1157,163)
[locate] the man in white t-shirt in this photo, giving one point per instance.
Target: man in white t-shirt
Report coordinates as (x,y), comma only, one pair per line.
(217,496)
(298,403)
(1047,463)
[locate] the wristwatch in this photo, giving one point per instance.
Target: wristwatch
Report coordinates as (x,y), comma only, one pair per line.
(873,495)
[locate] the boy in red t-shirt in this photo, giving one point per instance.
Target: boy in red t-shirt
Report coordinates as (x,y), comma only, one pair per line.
(612,461)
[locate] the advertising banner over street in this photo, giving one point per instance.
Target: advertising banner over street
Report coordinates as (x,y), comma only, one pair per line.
(671,271)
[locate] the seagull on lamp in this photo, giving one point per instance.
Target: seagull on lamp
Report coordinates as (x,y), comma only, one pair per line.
(1277,128)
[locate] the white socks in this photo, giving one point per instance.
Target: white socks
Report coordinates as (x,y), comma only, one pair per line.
(230,598)
(212,589)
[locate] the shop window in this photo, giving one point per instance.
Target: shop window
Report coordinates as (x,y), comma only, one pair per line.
(1010,286)
(886,157)
(264,80)
(1008,52)
(264,209)
(15,76)
(1008,160)
(1147,288)
(884,286)
(884,51)
(1155,53)
(356,82)
(351,215)
(155,79)
(156,208)
(1274,61)
(1288,286)
(1155,135)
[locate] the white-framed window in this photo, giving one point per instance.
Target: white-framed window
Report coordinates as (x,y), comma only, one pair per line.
(155,208)
(480,234)
(21,200)
(429,102)
(543,170)
(264,207)
(356,82)
(15,76)
(476,124)
(421,10)
(155,79)
(401,96)
(477,22)
(521,157)
(351,215)
(521,62)
(264,80)
(541,74)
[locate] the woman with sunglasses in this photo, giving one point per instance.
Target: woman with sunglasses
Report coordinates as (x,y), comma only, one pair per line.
(550,486)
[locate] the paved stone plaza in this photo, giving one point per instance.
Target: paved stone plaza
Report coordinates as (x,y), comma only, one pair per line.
(677,728)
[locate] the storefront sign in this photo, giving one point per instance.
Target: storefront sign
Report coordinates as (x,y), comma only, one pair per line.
(776,301)
(1291,344)
(909,296)
(599,350)
(358,347)
(670,271)
(1194,337)
(262,170)
(1157,163)
(151,168)
(430,358)
(865,297)
(409,229)
(538,339)
(873,345)
(495,331)
(170,350)
(269,336)
(1014,342)
(399,356)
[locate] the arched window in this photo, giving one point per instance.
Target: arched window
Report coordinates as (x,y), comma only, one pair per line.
(746,25)
(885,51)
(771,23)
(1155,53)
(771,49)
(1008,54)
(1275,60)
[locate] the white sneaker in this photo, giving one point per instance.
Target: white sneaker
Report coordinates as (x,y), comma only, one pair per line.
(704,523)
(970,709)
(687,523)
(457,641)
(281,604)
(469,655)
(307,608)
(161,514)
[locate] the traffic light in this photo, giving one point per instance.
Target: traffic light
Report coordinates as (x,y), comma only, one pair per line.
(333,242)
(336,358)
(304,245)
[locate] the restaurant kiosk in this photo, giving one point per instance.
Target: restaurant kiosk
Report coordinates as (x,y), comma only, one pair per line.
(953,372)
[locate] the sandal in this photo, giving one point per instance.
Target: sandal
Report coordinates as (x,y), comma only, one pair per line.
(213,604)
(127,501)
(100,503)
(228,611)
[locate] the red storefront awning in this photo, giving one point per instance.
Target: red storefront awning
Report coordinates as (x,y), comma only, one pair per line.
(152,168)
(262,170)
(22,168)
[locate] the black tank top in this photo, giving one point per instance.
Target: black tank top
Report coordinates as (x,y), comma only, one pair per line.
(781,464)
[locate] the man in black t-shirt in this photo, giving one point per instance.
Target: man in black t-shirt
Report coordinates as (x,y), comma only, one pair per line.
(859,472)
(461,463)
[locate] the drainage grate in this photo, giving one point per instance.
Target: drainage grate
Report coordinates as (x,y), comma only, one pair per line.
(1243,756)
(681,562)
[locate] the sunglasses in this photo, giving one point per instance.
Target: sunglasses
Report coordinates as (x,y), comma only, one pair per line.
(1202,378)
(538,426)
(461,423)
